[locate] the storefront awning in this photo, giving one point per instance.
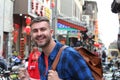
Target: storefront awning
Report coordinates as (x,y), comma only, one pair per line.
(72,24)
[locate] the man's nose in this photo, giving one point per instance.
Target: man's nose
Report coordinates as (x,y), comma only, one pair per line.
(39,32)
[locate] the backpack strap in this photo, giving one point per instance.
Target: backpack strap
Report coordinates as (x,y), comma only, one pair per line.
(55,62)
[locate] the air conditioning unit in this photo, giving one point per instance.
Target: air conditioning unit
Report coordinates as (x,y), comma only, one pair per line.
(85,19)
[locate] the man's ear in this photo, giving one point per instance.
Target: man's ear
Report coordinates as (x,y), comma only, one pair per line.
(52,32)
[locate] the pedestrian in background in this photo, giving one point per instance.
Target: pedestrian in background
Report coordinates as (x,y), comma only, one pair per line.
(104,56)
(96,53)
(33,70)
(71,65)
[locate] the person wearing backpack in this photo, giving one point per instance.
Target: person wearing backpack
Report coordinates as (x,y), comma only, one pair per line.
(71,65)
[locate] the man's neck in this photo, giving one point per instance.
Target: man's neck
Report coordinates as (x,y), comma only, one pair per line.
(48,49)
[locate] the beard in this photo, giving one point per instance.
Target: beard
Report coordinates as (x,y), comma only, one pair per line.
(43,44)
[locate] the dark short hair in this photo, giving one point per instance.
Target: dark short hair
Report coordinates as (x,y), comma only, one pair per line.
(40,19)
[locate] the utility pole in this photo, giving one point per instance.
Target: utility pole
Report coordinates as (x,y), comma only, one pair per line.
(54,19)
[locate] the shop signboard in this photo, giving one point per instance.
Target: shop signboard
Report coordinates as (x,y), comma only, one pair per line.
(63,29)
(33,8)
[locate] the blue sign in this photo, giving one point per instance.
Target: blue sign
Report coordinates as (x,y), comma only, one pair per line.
(59,25)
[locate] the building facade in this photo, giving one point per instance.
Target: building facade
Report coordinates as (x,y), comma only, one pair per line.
(6,27)
(24,12)
(69,18)
(115,8)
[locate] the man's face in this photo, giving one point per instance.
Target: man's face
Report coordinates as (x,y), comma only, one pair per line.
(41,33)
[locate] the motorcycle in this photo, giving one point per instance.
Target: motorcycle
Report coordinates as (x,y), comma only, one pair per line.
(116,74)
(3,64)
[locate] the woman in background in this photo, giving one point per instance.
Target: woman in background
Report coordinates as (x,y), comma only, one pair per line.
(33,64)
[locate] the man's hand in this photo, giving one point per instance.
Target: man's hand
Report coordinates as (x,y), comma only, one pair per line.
(53,75)
(23,74)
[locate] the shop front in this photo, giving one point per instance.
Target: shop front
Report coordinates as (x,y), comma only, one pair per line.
(24,12)
(69,32)
(65,33)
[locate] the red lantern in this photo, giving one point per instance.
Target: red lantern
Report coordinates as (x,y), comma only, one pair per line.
(28,20)
(27,30)
(15,36)
(16,26)
(25,39)
(53,4)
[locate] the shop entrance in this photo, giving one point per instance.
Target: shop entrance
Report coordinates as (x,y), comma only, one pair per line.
(5,45)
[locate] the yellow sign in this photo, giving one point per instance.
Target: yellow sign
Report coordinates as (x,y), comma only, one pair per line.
(47,12)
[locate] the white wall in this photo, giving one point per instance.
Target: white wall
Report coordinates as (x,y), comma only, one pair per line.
(8,16)
(6,21)
(1,24)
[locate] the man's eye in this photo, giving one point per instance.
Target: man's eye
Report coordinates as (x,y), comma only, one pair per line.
(34,30)
(43,29)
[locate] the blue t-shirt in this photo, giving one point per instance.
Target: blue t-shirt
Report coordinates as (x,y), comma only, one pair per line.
(71,65)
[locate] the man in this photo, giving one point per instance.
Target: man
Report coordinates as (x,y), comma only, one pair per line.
(71,65)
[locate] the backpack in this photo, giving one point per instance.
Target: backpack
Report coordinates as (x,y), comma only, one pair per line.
(93,61)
